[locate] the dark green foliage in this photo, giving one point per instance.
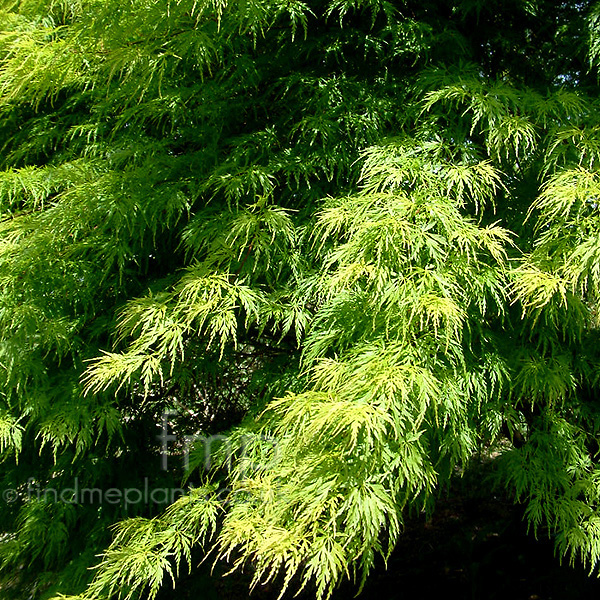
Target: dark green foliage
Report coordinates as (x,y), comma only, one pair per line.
(355,242)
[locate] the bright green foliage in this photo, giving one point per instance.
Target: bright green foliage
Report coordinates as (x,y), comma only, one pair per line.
(357,243)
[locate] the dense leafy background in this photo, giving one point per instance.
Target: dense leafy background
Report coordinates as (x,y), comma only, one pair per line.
(359,241)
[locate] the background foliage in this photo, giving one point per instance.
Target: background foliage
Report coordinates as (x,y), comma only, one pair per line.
(358,241)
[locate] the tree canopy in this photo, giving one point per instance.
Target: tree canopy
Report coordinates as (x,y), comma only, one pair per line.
(307,261)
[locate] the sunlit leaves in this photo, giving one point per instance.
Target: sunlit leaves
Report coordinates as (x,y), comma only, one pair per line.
(301,213)
(203,303)
(145,551)
(11,433)
(565,258)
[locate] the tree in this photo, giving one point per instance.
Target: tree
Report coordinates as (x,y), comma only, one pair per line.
(357,243)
